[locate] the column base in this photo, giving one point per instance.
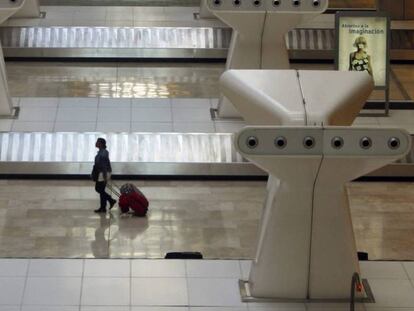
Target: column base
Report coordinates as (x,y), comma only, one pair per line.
(214,113)
(14,114)
(247,297)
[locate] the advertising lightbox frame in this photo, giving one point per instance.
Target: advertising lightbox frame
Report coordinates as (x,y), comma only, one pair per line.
(361,15)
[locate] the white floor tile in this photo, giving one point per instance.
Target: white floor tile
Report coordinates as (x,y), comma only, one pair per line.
(11,291)
(119,23)
(106,292)
(23,126)
(107,268)
(39,102)
(409,267)
(191,115)
(52,291)
(229,127)
(159,291)
(382,270)
(88,23)
(158,268)
(218,309)
(10,308)
(152,127)
(56,267)
(16,101)
(105,308)
(37,114)
(13,267)
(245,266)
(151,114)
(213,269)
(50,308)
(114,115)
(151,103)
(160,309)
(89,14)
(194,127)
(66,21)
(185,103)
(23,22)
(76,114)
(361,121)
(118,127)
(392,293)
(214,292)
(370,308)
(78,102)
(332,307)
(287,306)
(75,127)
(399,115)
(120,13)
(6,125)
(123,103)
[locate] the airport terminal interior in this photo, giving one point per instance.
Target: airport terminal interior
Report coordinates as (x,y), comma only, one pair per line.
(280,180)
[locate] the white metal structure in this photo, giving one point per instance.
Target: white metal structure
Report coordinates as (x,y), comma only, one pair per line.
(205,11)
(259,28)
(7,9)
(306,244)
(30,9)
(306,247)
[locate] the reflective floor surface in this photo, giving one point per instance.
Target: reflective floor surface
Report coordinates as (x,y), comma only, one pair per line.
(149,80)
(55,219)
(333,3)
(126,80)
(170,285)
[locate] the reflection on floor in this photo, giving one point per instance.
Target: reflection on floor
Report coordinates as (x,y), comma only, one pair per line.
(170,285)
(146,80)
(332,4)
(54,219)
(153,115)
(126,80)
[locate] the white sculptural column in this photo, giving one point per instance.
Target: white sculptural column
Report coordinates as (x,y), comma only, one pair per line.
(287,265)
(259,29)
(30,9)
(306,249)
(7,9)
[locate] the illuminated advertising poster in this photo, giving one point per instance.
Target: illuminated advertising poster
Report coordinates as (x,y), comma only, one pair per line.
(363,46)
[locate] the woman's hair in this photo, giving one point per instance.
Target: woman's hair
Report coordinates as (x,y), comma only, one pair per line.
(102,141)
(360,40)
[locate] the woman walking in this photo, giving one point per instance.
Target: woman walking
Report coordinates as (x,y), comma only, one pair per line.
(101,174)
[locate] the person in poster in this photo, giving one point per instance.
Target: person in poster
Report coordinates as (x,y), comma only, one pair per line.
(363,45)
(360,60)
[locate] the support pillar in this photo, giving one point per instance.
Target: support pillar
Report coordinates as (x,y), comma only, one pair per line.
(6,105)
(30,9)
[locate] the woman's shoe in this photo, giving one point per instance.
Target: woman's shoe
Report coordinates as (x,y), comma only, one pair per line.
(100,210)
(112,204)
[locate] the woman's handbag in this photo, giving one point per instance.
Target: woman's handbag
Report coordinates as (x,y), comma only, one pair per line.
(95,173)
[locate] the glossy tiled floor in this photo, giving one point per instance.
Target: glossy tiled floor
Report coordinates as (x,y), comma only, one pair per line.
(333,3)
(182,115)
(164,285)
(113,80)
(55,219)
(149,80)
